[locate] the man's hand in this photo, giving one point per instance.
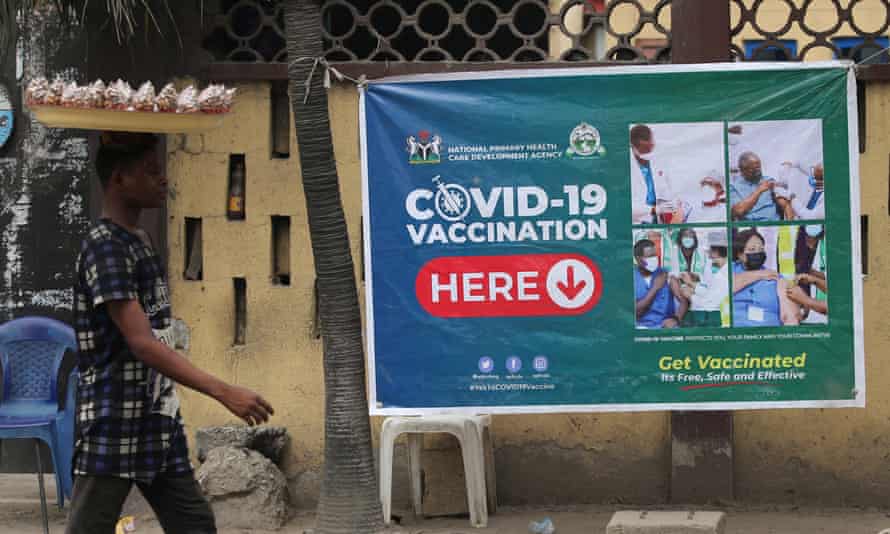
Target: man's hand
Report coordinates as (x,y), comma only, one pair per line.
(767,274)
(816,275)
(246,404)
(797,295)
(764,186)
(804,278)
(689,278)
(670,322)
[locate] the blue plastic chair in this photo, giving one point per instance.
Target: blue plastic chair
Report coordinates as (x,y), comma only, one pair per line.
(31,353)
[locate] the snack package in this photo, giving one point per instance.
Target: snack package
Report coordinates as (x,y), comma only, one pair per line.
(187,101)
(229,99)
(144,99)
(166,99)
(37,92)
(82,97)
(54,96)
(212,99)
(69,95)
(96,94)
(118,95)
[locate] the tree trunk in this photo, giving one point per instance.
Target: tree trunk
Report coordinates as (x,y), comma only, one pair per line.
(349,501)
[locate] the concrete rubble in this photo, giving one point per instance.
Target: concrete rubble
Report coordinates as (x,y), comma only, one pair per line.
(245,489)
(269,441)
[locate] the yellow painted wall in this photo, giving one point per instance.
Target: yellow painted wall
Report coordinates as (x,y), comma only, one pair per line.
(819,455)
(282,359)
(839,456)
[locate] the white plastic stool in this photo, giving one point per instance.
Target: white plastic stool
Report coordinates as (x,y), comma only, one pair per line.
(469,431)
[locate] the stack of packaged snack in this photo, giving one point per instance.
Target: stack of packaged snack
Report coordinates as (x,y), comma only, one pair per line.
(120,96)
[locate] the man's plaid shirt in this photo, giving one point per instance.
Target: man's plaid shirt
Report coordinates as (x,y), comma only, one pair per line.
(128,422)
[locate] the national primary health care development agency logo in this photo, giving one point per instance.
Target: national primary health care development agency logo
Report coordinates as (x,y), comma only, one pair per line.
(585,142)
(424,148)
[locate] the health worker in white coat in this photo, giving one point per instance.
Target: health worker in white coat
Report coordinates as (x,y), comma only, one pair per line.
(652,197)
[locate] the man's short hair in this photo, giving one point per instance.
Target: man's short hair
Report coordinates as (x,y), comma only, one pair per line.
(121,150)
(746,156)
(720,251)
(640,132)
(641,246)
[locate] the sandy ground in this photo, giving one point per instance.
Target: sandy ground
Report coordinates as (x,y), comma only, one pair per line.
(20,514)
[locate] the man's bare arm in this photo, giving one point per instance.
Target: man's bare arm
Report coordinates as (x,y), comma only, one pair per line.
(131,320)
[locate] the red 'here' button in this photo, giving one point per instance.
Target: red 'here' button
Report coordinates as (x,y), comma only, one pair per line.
(509,286)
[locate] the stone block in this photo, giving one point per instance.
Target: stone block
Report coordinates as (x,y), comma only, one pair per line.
(245,489)
(643,522)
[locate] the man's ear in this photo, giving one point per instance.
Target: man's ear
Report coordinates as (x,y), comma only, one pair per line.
(117,177)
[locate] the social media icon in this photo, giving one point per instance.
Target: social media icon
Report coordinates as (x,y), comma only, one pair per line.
(540,363)
(514,364)
(486,364)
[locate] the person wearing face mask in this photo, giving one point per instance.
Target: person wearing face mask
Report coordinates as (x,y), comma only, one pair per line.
(655,291)
(752,193)
(709,297)
(759,294)
(651,191)
(689,258)
(810,290)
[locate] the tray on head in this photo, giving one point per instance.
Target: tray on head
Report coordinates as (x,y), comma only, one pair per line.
(126,121)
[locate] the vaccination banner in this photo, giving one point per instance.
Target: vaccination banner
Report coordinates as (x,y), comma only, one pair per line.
(621,238)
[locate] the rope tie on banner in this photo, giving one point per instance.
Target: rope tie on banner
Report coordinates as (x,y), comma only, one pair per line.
(855,66)
(361,82)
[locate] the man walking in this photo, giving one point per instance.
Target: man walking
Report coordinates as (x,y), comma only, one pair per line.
(129,429)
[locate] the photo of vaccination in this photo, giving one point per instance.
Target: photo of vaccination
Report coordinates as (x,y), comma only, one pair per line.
(776,170)
(677,173)
(681,278)
(779,276)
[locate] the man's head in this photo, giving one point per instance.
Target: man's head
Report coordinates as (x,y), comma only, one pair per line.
(750,167)
(642,140)
(130,171)
(717,248)
(645,255)
(819,175)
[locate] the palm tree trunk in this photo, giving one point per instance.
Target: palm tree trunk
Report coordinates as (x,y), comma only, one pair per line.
(349,501)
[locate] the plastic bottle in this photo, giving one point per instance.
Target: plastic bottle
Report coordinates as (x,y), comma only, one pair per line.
(236,207)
